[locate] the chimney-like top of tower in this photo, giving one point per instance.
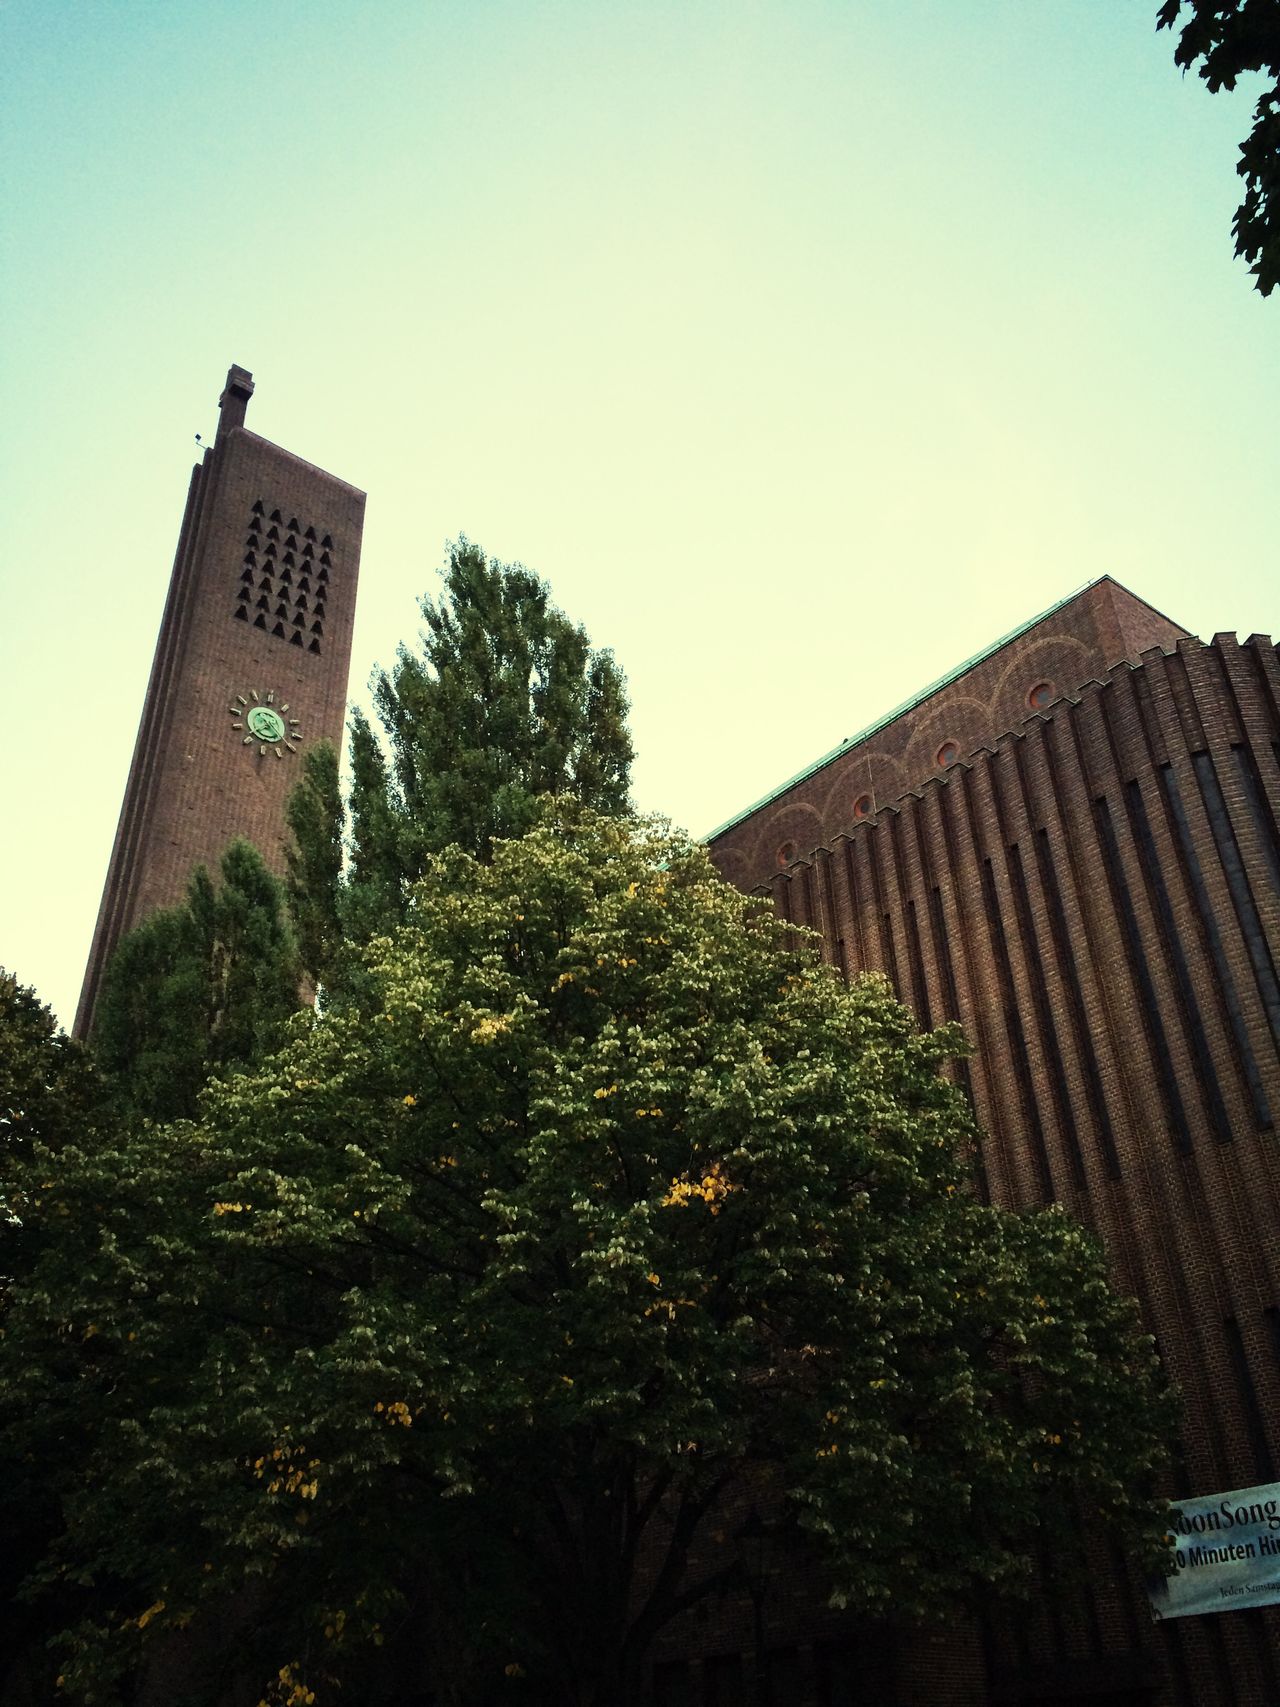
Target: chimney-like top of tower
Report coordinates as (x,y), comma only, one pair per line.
(235,399)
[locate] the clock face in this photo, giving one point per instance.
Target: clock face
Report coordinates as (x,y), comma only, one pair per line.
(266,723)
(263,724)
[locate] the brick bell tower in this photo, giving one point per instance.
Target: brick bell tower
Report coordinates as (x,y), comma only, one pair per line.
(250,668)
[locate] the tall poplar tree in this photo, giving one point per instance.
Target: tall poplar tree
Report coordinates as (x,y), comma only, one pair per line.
(506,701)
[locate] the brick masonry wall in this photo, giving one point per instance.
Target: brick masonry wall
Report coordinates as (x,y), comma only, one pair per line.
(1096,898)
(1075,643)
(195,784)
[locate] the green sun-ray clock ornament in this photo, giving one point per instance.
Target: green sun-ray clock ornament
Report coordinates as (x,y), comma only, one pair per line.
(264,724)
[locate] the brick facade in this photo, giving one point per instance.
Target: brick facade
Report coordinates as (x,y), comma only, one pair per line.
(1092,889)
(1075,642)
(260,607)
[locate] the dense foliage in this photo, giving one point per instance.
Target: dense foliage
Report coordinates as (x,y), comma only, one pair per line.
(198,989)
(1225,40)
(49,1096)
(47,1090)
(505,702)
(444,1337)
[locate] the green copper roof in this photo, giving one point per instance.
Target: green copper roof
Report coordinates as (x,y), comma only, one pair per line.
(916,699)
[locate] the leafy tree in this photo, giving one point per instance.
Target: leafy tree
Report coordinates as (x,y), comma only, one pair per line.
(49,1097)
(464,1317)
(47,1087)
(315,816)
(198,989)
(506,702)
(1226,39)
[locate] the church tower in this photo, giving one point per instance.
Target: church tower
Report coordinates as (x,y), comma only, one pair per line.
(250,668)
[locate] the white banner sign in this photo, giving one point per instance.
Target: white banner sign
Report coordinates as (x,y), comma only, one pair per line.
(1226,1553)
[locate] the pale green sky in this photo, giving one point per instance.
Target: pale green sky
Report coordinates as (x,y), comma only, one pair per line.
(804,347)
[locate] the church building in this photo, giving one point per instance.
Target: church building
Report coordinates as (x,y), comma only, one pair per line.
(1071,846)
